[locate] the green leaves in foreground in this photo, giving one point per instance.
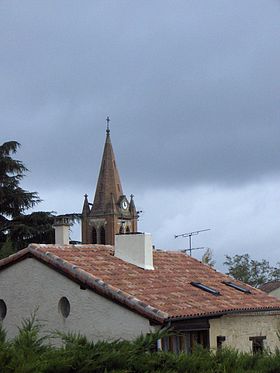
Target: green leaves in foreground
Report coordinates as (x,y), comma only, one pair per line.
(30,352)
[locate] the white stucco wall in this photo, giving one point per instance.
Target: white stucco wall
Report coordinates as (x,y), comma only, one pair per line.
(30,284)
(238,328)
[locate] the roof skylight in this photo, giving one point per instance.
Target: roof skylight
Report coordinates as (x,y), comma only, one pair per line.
(237,287)
(206,288)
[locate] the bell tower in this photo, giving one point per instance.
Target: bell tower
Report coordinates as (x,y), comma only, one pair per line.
(111,212)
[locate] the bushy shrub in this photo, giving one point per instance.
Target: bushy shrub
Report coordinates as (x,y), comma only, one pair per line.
(30,352)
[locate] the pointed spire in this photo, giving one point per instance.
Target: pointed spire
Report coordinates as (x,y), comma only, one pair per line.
(132,207)
(109,183)
(86,208)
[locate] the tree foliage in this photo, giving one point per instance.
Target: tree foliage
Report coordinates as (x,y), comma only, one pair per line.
(13,199)
(16,228)
(250,271)
(29,351)
(207,258)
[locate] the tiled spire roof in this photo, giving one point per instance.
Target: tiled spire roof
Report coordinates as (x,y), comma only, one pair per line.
(109,183)
(86,208)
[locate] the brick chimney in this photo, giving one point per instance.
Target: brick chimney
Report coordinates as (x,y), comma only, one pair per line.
(61,227)
(135,248)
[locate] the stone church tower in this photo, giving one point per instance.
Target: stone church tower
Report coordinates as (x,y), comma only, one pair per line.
(111,212)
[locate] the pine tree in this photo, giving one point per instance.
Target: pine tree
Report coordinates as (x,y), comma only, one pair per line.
(16,228)
(13,199)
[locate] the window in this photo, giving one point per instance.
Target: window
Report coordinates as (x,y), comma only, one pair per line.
(94,235)
(205,288)
(64,307)
(199,337)
(102,236)
(175,343)
(3,310)
(127,230)
(185,341)
(237,287)
(257,344)
(220,340)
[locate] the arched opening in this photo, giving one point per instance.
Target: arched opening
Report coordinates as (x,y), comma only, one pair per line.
(94,235)
(64,307)
(3,310)
(127,230)
(121,231)
(102,236)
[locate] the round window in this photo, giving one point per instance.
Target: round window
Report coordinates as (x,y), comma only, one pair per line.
(64,307)
(3,310)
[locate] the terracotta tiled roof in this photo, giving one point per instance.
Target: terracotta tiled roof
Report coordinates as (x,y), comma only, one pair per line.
(162,294)
(270,286)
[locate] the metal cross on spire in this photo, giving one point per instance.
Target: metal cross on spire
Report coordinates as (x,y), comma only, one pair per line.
(108,124)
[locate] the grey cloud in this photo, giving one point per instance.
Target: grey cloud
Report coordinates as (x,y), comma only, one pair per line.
(192,89)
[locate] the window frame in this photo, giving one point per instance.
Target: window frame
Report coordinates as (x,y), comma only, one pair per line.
(257,344)
(206,288)
(220,339)
(64,307)
(237,287)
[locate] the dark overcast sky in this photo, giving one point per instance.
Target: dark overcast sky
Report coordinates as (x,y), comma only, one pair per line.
(193,92)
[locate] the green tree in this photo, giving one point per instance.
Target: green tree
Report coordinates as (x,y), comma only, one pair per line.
(13,199)
(16,228)
(207,258)
(250,271)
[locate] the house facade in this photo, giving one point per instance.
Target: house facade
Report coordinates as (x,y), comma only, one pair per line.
(109,293)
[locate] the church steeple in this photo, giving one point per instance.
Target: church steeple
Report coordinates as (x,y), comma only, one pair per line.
(111,213)
(109,182)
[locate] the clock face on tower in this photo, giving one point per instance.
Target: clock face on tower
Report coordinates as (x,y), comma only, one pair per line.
(124,205)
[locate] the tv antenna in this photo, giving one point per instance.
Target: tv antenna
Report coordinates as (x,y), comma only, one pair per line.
(190,234)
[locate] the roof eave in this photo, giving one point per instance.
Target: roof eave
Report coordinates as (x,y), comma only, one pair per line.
(216,314)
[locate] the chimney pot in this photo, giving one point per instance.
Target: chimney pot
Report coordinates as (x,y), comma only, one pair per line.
(136,249)
(61,228)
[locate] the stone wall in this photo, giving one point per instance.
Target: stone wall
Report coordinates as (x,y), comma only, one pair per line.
(237,329)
